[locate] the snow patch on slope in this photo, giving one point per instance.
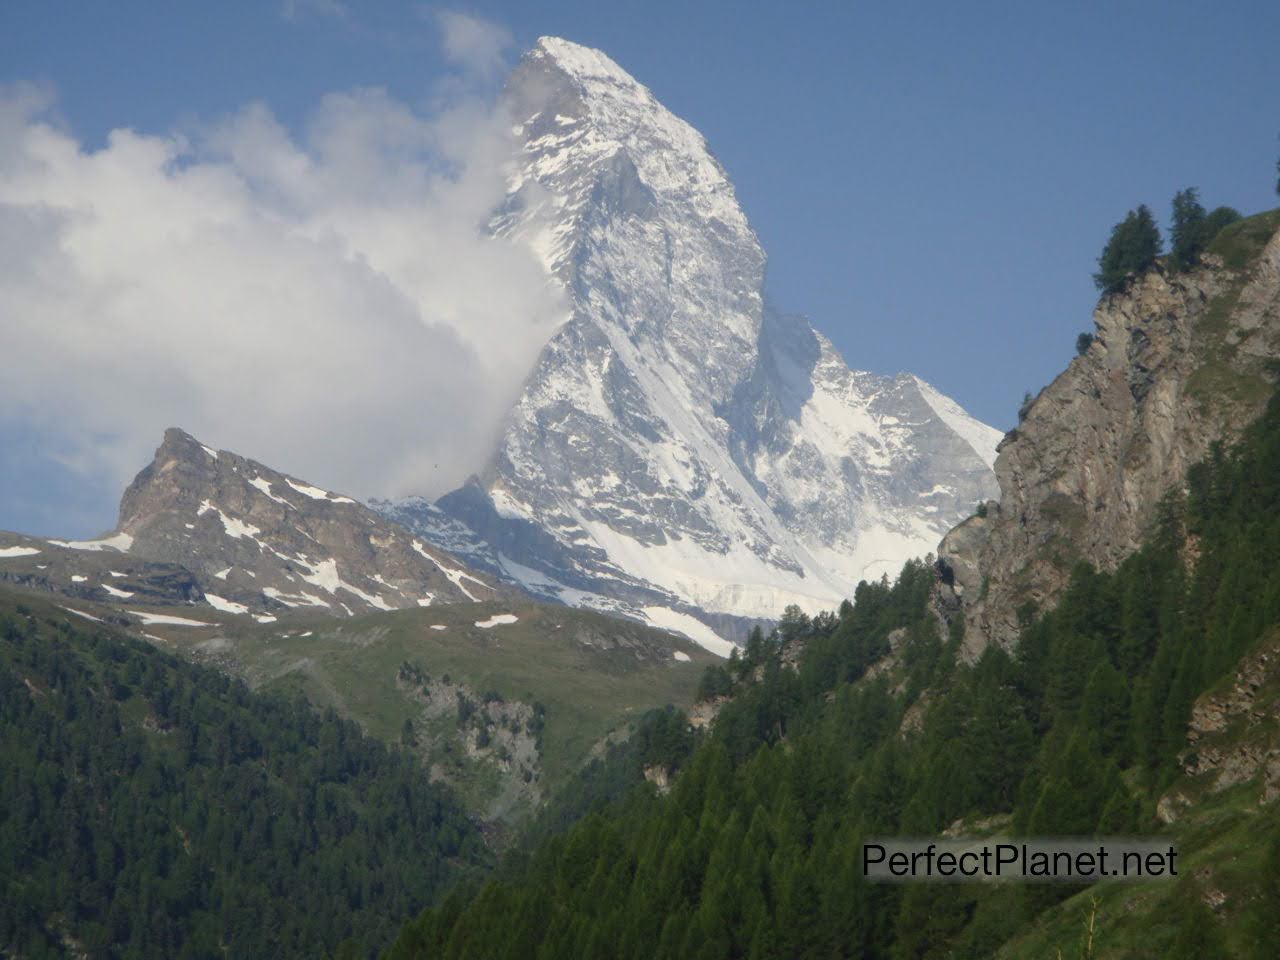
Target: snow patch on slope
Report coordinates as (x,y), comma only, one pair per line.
(120,541)
(264,486)
(164,619)
(664,618)
(315,493)
(232,526)
(226,606)
(456,576)
(497,620)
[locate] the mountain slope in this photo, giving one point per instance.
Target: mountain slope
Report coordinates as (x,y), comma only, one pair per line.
(679,447)
(153,808)
(291,587)
(503,701)
(199,525)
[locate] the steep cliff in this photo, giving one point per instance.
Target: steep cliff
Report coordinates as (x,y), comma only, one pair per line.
(1178,362)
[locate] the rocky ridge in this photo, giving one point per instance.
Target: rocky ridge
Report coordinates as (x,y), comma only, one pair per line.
(1178,362)
(207,526)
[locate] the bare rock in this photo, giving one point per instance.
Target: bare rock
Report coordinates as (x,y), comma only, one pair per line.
(1178,361)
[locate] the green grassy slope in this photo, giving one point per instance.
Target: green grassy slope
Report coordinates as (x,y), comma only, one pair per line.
(591,673)
(587,675)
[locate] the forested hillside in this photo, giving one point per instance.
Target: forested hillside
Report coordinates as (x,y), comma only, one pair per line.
(152,808)
(880,729)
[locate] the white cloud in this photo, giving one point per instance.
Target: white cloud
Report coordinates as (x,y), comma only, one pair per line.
(328,303)
(473,43)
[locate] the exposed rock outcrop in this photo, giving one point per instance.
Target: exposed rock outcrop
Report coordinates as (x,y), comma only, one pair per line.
(259,539)
(461,730)
(1233,737)
(1234,734)
(1178,361)
(199,525)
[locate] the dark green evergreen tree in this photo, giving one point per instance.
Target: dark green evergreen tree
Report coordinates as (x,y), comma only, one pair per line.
(1193,229)
(153,808)
(1132,248)
(716,682)
(755,849)
(1186,236)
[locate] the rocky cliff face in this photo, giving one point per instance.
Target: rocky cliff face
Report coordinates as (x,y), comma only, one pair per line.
(679,449)
(1178,361)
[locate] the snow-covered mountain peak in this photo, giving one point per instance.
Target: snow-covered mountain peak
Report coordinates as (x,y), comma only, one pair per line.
(617,106)
(591,136)
(679,449)
(586,65)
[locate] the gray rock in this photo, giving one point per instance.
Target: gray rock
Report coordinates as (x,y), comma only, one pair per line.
(1177,363)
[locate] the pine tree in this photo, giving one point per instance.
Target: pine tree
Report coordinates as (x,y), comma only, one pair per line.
(1194,229)
(1187,235)
(1133,247)
(1105,707)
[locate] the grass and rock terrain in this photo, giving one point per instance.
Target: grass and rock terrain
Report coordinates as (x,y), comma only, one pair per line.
(503,701)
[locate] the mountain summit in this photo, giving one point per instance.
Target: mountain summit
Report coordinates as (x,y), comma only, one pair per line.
(680,450)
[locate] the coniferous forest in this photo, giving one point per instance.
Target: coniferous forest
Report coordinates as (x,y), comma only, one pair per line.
(755,850)
(153,808)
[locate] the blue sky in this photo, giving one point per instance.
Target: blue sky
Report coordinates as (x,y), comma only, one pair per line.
(932,182)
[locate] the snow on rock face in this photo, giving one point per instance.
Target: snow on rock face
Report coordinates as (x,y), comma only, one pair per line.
(678,446)
(259,542)
(120,541)
(164,619)
(982,438)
